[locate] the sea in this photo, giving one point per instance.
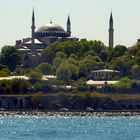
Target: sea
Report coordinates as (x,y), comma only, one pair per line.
(69,128)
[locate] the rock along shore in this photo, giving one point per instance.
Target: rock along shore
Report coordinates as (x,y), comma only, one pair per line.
(68,114)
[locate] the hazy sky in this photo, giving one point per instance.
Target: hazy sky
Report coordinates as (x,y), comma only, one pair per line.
(89,18)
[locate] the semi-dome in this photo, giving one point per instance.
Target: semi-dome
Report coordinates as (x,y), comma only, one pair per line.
(51,27)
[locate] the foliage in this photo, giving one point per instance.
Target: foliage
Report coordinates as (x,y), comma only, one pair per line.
(125,84)
(73,60)
(86,56)
(9,56)
(45,68)
(20,71)
(34,76)
(118,51)
(20,86)
(135,70)
(63,72)
(4,72)
(5,86)
(61,55)
(122,64)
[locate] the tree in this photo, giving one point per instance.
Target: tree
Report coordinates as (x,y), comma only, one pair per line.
(45,68)
(124,84)
(135,69)
(88,64)
(61,55)
(34,76)
(122,64)
(20,71)
(63,72)
(47,55)
(10,57)
(56,62)
(5,86)
(4,72)
(74,71)
(134,50)
(19,86)
(118,51)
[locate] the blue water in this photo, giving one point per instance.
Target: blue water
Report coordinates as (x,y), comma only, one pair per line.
(69,128)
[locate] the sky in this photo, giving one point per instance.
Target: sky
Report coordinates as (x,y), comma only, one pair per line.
(89,18)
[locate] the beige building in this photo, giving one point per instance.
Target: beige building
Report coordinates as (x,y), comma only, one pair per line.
(105,74)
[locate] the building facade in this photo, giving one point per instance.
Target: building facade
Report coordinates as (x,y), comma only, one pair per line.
(31,47)
(105,74)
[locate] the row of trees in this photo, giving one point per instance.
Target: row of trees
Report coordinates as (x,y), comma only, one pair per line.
(73,60)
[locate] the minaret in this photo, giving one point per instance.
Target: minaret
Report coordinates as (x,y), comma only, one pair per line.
(33,29)
(51,21)
(111,31)
(68,25)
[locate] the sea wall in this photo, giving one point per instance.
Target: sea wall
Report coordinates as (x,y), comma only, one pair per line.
(71,102)
(82,103)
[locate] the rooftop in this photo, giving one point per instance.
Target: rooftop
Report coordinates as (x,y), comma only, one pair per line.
(51,27)
(105,70)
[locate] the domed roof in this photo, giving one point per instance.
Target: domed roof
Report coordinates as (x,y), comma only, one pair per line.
(51,27)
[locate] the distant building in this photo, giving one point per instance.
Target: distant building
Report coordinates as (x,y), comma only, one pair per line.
(104,74)
(31,47)
(10,102)
(100,84)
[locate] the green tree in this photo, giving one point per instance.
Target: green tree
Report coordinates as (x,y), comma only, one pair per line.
(134,50)
(89,63)
(4,72)
(61,55)
(56,62)
(124,84)
(63,72)
(20,86)
(10,57)
(5,86)
(20,71)
(122,64)
(135,69)
(45,68)
(118,51)
(34,76)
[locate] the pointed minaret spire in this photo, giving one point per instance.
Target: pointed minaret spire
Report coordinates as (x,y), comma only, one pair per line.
(51,20)
(111,17)
(33,28)
(33,15)
(68,21)
(68,25)
(111,31)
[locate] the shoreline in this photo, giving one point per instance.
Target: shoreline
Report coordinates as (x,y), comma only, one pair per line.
(69,114)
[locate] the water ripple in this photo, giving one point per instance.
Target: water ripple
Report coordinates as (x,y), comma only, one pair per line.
(70,128)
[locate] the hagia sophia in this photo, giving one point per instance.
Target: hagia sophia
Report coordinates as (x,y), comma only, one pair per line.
(31,47)
(46,34)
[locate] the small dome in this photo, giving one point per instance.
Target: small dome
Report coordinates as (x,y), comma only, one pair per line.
(51,27)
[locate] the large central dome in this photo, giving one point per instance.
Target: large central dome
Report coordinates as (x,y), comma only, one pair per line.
(51,27)
(51,30)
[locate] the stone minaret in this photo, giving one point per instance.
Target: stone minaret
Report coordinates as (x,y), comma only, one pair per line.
(33,29)
(68,25)
(111,31)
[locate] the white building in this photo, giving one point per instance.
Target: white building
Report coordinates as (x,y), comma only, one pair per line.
(104,74)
